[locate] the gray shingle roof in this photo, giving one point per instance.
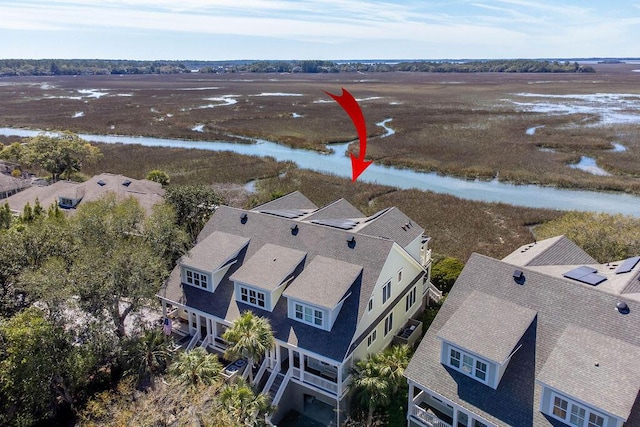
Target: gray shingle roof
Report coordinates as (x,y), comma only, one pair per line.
(488,326)
(559,303)
(311,284)
(338,209)
(269,266)
(598,369)
(214,251)
(394,225)
(148,193)
(554,251)
(368,252)
(295,200)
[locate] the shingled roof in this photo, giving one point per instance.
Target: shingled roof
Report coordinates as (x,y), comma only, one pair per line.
(573,320)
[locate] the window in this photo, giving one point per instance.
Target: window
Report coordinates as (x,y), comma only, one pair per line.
(386,292)
(309,315)
(410,299)
(371,338)
(573,413)
(370,304)
(400,276)
(477,423)
(468,364)
(388,324)
(196,279)
(252,297)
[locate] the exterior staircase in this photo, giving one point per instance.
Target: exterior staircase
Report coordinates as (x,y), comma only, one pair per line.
(275,386)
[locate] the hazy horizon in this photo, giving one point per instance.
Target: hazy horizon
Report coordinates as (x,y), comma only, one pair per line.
(215,30)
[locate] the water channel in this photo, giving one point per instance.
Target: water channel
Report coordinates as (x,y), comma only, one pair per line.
(338,164)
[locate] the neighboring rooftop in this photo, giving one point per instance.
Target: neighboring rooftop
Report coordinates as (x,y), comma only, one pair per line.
(148,193)
(554,251)
(574,321)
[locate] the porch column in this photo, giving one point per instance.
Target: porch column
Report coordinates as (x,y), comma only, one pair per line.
(454,423)
(339,380)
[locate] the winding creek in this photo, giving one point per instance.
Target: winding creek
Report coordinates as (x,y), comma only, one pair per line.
(338,164)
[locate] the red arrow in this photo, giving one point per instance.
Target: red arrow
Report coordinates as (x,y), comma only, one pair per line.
(350,105)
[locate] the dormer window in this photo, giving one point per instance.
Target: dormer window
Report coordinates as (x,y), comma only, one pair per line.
(196,279)
(252,297)
(468,364)
(310,315)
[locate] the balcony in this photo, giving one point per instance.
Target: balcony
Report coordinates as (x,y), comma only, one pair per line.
(430,411)
(409,334)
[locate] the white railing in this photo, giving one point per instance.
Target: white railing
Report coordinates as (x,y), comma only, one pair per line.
(270,381)
(261,371)
(206,341)
(429,419)
(194,341)
(434,292)
(295,372)
(320,382)
(281,389)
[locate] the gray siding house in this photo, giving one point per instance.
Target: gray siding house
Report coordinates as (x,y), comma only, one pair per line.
(335,284)
(544,337)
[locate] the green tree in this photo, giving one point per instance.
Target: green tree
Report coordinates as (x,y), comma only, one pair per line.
(6,218)
(249,337)
(444,273)
(194,205)
(33,368)
(59,154)
(158,176)
(117,272)
(162,233)
(605,237)
(196,367)
(14,153)
(147,356)
(370,386)
(245,406)
(393,361)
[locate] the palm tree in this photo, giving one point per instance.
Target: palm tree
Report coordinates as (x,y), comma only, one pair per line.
(249,337)
(245,407)
(147,356)
(392,363)
(196,367)
(371,387)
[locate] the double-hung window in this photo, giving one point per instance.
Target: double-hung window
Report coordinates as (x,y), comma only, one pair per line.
(371,338)
(410,299)
(573,413)
(468,364)
(252,297)
(388,324)
(386,292)
(196,279)
(309,315)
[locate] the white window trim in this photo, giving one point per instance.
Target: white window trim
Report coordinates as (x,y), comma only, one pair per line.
(474,365)
(196,275)
(371,339)
(371,305)
(400,275)
(314,314)
(386,292)
(410,299)
(571,403)
(388,324)
(248,296)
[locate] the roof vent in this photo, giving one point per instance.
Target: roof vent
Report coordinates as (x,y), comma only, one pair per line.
(126,182)
(294,229)
(518,277)
(622,307)
(101,183)
(351,242)
(244,217)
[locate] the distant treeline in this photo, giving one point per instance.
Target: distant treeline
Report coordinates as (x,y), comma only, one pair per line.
(52,67)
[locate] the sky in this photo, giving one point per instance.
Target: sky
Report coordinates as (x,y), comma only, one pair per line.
(318,29)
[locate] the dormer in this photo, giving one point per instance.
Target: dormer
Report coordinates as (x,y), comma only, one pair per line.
(71,198)
(480,338)
(208,262)
(262,278)
(316,296)
(590,379)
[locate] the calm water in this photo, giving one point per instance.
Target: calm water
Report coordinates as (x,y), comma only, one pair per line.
(338,164)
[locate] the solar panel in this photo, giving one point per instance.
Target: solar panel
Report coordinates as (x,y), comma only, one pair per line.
(343,224)
(284,213)
(584,274)
(628,265)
